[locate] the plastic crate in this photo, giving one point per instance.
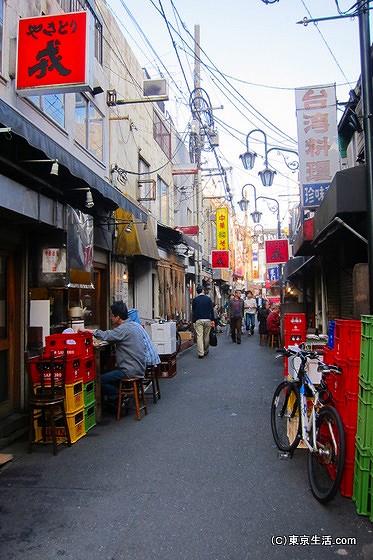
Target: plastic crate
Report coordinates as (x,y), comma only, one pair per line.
(74,343)
(351,376)
(347,483)
(89,392)
(167,367)
(367,325)
(366,356)
(88,368)
(74,397)
(89,417)
(347,336)
(328,356)
(75,422)
(362,482)
(72,371)
(294,322)
(364,431)
(331,330)
(294,339)
(349,412)
(350,440)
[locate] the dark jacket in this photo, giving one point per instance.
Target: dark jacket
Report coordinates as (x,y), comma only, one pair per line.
(202,308)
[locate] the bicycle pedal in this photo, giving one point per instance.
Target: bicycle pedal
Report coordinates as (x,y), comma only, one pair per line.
(282,455)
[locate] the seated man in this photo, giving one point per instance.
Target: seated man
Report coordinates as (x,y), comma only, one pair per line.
(130,350)
(274,321)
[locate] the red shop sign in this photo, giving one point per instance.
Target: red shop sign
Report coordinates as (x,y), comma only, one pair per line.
(53,54)
(219,259)
(277,251)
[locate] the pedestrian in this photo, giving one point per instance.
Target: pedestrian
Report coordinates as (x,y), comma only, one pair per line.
(250,308)
(236,313)
(273,320)
(130,350)
(203,319)
(263,313)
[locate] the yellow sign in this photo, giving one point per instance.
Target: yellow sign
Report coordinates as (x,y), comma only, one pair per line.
(222,241)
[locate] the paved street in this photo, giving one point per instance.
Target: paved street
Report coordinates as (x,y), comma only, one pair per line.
(199,478)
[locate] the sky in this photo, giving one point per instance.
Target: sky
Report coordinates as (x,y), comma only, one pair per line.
(253,57)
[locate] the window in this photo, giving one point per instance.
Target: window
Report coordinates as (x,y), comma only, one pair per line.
(161,135)
(78,6)
(52,105)
(162,197)
(88,126)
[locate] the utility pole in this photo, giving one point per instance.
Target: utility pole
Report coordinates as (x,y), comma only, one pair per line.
(367,95)
(197,177)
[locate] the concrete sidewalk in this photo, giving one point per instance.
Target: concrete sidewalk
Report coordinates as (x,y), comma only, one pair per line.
(199,478)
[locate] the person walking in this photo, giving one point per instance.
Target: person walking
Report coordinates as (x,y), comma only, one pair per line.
(236,313)
(203,319)
(250,308)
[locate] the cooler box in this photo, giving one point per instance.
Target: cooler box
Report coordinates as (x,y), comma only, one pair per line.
(165,347)
(161,332)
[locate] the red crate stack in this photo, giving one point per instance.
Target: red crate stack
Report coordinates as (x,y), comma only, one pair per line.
(294,332)
(344,388)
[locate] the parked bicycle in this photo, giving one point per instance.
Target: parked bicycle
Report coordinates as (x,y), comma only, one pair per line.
(301,410)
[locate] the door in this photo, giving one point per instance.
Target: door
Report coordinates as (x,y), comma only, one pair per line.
(7,327)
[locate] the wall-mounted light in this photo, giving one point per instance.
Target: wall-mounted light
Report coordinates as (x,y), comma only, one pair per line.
(125,276)
(54,169)
(128,228)
(89,202)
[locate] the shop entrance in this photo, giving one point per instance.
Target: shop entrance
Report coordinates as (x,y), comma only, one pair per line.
(7,333)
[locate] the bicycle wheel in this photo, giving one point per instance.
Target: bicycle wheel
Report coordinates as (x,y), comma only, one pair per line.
(285,418)
(326,464)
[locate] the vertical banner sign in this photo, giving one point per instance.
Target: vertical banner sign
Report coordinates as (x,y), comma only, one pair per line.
(316,109)
(222,241)
(255,260)
(54,54)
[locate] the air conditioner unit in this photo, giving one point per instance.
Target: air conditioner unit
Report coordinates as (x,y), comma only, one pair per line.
(155,88)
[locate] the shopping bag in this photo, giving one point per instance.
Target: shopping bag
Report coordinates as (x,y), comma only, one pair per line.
(213,338)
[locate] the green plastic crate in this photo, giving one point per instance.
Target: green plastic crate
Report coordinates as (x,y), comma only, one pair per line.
(362,490)
(364,427)
(89,392)
(89,417)
(366,354)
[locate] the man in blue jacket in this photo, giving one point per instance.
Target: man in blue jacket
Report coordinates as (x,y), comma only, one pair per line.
(203,319)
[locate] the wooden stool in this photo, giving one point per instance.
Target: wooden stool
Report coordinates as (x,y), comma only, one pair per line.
(132,387)
(47,400)
(263,339)
(151,374)
(274,340)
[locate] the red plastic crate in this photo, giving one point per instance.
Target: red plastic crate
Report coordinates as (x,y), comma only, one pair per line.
(347,337)
(74,343)
(351,374)
(294,339)
(328,356)
(347,482)
(73,369)
(295,322)
(88,369)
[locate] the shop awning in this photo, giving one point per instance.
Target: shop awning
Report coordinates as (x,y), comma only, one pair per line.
(10,117)
(138,241)
(296,266)
(174,237)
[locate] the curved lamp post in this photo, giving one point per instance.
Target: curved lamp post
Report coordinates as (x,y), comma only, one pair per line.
(267,174)
(244,202)
(256,215)
(256,235)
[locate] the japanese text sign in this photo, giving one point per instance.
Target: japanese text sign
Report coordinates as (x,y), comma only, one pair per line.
(53,54)
(277,251)
(219,259)
(317,141)
(273,273)
(222,242)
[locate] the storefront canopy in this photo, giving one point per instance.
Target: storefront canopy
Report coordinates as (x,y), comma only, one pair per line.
(79,172)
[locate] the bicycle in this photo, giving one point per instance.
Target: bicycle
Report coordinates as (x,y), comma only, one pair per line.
(302,411)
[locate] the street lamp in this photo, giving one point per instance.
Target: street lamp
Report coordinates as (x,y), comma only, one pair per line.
(267,174)
(244,203)
(256,215)
(256,236)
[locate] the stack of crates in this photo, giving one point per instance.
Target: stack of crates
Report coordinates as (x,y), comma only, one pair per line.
(343,350)
(363,476)
(163,336)
(294,333)
(79,380)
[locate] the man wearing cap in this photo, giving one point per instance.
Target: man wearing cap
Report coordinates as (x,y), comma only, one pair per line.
(203,319)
